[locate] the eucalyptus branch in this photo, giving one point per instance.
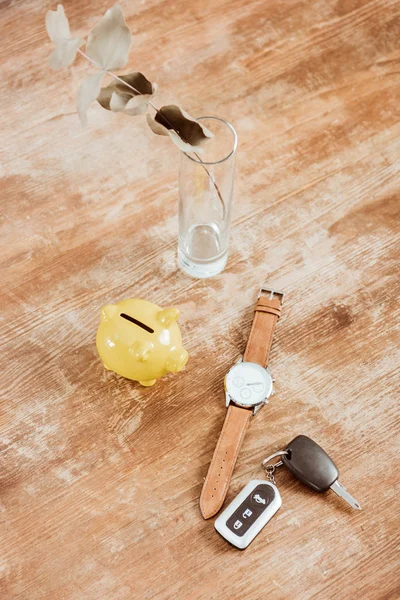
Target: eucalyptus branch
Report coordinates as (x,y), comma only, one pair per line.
(163,116)
(107,48)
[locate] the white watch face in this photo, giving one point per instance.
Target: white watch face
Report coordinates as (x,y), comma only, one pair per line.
(248,384)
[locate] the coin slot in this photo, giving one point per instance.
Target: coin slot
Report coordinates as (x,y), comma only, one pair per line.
(136,322)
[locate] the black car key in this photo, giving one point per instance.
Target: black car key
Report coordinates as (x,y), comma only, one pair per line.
(311,465)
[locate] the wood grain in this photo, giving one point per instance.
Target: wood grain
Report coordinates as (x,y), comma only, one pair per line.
(100,478)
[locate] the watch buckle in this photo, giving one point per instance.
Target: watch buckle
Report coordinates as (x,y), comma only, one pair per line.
(271,293)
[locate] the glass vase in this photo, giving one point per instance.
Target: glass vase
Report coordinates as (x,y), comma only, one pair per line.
(205,201)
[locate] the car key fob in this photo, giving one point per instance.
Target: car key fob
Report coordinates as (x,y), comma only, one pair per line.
(311,465)
(248,513)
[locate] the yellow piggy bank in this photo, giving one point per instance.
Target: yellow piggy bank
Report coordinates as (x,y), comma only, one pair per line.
(141,341)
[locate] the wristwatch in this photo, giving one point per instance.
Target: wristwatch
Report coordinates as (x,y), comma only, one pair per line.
(248,385)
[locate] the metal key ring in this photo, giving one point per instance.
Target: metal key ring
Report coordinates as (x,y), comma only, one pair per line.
(278,464)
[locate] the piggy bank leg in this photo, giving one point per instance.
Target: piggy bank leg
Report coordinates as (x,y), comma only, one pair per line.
(148,383)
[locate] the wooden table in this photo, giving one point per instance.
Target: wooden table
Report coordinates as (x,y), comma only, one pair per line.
(99,477)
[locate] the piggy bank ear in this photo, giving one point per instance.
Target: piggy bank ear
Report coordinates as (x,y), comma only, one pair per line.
(167,316)
(141,350)
(108,312)
(177,360)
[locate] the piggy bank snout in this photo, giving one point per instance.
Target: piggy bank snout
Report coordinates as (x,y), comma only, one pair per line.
(141,351)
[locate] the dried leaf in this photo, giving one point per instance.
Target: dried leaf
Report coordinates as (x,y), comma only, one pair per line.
(135,106)
(156,127)
(108,43)
(57,25)
(58,29)
(64,54)
(117,103)
(185,147)
(186,133)
(121,98)
(161,130)
(87,94)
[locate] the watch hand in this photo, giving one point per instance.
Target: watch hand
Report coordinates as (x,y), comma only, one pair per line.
(255,383)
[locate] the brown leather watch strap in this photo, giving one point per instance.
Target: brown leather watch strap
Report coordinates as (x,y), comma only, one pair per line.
(267,313)
(224,459)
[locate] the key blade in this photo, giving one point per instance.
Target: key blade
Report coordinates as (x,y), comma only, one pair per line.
(341,491)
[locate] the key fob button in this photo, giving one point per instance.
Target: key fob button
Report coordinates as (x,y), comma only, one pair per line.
(262,496)
(242,519)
